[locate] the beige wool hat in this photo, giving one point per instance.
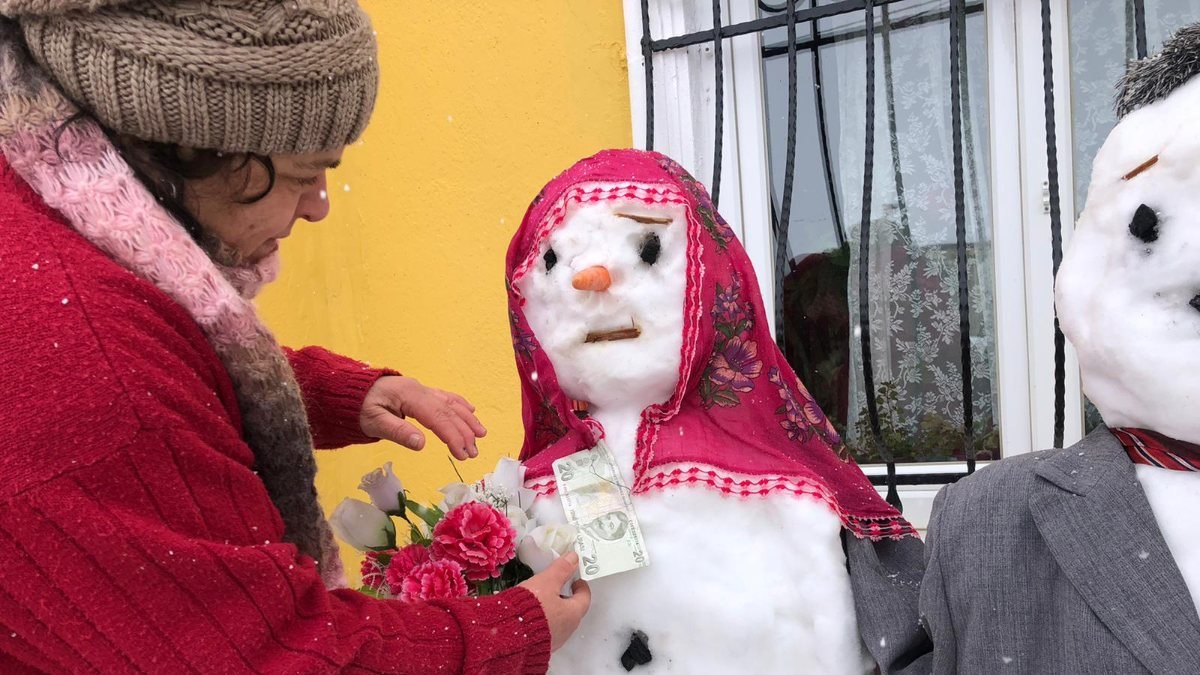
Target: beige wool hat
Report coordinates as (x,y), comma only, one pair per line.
(262,76)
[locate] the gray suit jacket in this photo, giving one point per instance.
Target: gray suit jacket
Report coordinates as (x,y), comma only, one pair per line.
(886,579)
(1053,563)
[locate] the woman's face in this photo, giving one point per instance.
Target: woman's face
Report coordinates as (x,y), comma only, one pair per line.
(251,231)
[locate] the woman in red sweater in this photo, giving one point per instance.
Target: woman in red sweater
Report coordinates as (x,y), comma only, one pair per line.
(157,506)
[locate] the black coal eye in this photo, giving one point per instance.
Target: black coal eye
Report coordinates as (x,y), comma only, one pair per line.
(651,248)
(1144,225)
(551,259)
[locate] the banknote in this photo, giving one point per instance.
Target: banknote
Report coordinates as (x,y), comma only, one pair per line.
(600,506)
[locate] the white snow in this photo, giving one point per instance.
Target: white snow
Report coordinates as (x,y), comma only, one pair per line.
(1175,498)
(734,585)
(649,297)
(1124,303)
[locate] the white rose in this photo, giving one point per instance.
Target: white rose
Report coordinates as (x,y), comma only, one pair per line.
(362,526)
(545,544)
(456,494)
(385,489)
(519,519)
(507,482)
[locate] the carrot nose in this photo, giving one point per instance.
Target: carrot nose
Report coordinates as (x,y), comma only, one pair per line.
(592,279)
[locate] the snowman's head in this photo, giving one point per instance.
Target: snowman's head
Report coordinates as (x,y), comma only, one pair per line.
(605,300)
(1128,292)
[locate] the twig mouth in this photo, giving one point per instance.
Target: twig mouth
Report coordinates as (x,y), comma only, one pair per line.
(614,335)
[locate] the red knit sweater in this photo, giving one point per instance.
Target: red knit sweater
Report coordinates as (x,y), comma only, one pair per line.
(134,534)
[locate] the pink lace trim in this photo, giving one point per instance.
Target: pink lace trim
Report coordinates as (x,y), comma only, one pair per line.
(749,487)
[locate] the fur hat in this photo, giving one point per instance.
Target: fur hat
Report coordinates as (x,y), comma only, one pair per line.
(1154,78)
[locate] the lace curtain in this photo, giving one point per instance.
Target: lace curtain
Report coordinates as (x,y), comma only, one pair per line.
(913,290)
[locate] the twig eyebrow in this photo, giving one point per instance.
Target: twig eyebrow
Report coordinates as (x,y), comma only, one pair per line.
(1141,168)
(646,220)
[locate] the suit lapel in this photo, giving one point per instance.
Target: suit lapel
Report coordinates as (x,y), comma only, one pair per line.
(1099,527)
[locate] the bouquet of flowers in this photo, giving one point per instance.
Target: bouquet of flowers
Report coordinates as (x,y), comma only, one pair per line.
(480,540)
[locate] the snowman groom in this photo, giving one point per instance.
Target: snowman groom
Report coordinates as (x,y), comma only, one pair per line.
(1087,560)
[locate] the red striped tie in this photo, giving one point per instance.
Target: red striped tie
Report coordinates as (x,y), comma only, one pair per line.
(1154,449)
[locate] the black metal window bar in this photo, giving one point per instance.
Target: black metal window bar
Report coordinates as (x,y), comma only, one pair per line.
(876,17)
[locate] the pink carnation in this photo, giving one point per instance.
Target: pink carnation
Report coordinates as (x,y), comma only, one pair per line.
(478,537)
(436,580)
(373,570)
(404,562)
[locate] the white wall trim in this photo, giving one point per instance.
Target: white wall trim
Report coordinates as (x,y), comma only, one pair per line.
(636,69)
(1008,239)
(1039,271)
(909,469)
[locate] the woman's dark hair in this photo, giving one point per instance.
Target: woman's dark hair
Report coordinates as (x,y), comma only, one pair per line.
(165,168)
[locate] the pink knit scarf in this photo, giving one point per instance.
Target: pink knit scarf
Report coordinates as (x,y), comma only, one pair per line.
(79,173)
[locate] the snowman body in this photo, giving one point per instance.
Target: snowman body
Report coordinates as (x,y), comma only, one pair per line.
(1128,296)
(735,584)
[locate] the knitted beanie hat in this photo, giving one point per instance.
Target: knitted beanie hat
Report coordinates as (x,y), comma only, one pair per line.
(261,76)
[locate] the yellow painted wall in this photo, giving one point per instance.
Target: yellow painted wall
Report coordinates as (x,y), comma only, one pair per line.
(480,105)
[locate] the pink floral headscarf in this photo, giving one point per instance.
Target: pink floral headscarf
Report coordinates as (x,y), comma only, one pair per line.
(739,421)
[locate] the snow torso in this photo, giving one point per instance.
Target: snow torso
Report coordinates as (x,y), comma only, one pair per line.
(735,585)
(1175,498)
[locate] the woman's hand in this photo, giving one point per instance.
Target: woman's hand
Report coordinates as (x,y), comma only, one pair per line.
(451,417)
(563,614)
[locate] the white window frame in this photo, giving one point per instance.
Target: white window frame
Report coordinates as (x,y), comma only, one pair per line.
(1024,299)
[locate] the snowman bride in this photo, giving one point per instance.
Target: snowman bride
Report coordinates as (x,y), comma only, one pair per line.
(637,319)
